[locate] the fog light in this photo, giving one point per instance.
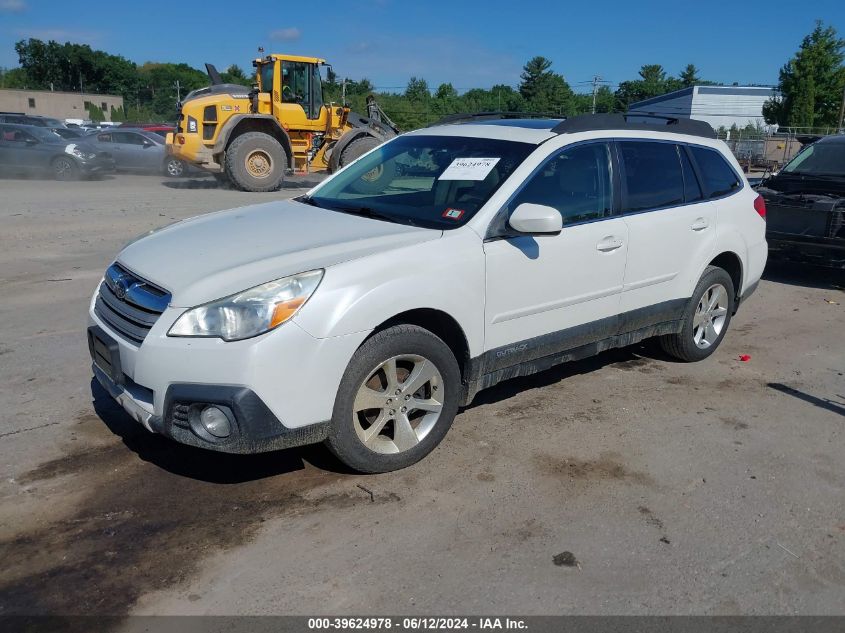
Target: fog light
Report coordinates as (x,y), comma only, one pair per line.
(215,422)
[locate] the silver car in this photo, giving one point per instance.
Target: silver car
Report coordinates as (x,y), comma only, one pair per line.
(138,151)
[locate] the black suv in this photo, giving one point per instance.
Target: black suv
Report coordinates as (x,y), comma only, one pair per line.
(805,205)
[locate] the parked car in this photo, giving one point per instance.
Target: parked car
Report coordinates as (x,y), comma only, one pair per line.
(30,119)
(364,313)
(160,129)
(29,149)
(139,151)
(67,133)
(806,205)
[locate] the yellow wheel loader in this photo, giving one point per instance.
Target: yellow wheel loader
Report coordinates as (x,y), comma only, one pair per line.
(253,138)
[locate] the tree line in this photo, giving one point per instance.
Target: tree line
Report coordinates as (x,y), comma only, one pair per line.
(811,85)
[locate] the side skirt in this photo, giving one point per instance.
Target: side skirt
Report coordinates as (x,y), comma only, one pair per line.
(576,343)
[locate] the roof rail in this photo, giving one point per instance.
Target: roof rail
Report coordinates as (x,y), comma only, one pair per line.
(489,116)
(676,125)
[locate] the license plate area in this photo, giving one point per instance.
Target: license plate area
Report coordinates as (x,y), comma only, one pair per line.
(105,353)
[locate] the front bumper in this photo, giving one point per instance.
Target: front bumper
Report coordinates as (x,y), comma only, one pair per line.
(279,387)
(254,427)
(99,165)
(822,251)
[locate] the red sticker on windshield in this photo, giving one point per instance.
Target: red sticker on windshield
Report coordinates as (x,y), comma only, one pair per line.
(453,214)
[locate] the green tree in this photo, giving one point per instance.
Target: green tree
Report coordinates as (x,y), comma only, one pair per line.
(543,89)
(157,86)
(75,67)
(417,90)
(13,78)
(234,74)
(811,83)
(94,112)
(445,92)
(118,114)
(689,76)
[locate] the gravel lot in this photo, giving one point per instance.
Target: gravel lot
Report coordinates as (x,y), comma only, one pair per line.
(711,488)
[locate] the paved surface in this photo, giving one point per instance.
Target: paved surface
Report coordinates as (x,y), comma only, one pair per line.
(711,488)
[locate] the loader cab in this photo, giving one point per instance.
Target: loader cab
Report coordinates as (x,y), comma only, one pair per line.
(291,89)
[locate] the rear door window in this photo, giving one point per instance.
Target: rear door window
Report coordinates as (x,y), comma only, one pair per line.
(719,178)
(128,138)
(653,175)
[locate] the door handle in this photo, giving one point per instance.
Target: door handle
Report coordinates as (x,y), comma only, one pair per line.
(610,243)
(700,224)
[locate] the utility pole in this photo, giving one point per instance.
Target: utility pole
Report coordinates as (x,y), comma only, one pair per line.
(596,80)
(178,91)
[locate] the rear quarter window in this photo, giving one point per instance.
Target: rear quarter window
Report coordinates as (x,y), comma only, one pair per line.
(718,176)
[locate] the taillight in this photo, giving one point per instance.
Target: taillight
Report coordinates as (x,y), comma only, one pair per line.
(760,206)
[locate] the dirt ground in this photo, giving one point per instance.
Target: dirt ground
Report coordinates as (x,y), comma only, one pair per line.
(709,488)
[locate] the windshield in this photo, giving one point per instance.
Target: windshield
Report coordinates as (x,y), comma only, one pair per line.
(819,159)
(431,181)
(43,134)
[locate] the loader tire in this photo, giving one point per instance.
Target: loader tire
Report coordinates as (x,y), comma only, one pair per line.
(255,162)
(375,180)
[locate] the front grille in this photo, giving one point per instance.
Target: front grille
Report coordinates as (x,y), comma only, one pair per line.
(182,415)
(129,304)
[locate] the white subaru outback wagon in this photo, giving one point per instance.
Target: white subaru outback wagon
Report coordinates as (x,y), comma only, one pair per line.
(365,313)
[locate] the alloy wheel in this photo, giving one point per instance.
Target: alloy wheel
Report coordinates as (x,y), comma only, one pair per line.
(398,404)
(710,316)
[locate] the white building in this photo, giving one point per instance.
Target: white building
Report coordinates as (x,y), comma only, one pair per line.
(717,105)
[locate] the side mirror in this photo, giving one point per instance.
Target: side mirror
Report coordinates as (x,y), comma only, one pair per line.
(536,219)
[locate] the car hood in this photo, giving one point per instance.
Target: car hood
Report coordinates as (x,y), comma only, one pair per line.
(787,183)
(218,254)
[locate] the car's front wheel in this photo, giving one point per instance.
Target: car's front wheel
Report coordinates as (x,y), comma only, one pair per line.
(396,402)
(64,168)
(174,168)
(708,315)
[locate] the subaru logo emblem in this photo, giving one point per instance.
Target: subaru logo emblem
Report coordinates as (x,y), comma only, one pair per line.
(121,287)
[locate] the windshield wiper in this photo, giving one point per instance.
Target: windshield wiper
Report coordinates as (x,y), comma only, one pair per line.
(308,200)
(368,212)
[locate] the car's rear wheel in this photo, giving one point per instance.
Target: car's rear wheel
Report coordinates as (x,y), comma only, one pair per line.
(174,168)
(397,400)
(64,168)
(707,317)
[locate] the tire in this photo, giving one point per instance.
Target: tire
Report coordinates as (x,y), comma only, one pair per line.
(65,168)
(255,162)
(696,341)
(373,181)
(174,168)
(393,433)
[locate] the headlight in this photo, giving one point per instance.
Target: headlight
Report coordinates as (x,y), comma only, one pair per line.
(251,312)
(83,155)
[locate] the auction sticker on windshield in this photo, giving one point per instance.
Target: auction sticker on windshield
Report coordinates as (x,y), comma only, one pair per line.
(453,214)
(469,169)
